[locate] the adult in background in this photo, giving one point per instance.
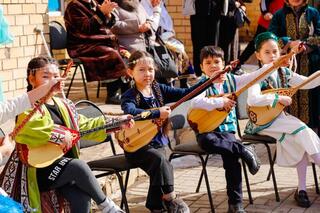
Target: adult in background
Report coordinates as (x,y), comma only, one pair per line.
(132,25)
(203,28)
(267,8)
(296,22)
(208,27)
(88,24)
(135,29)
(228,35)
(167,34)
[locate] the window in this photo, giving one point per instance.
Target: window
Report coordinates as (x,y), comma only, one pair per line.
(56,7)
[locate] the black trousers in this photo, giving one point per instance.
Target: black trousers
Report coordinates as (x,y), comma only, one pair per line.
(227,30)
(156,165)
(76,183)
(250,49)
(203,33)
(230,149)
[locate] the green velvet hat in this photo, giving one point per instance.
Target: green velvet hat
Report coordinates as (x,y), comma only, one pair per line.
(264,36)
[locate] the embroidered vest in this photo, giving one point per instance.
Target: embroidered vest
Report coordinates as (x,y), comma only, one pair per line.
(229,86)
(281,80)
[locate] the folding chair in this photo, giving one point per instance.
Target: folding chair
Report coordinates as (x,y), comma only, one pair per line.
(108,165)
(58,41)
(193,148)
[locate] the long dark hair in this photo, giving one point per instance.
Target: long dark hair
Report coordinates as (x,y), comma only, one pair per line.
(37,63)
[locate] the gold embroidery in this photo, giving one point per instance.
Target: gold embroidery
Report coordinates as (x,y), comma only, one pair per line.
(303,26)
(291,27)
(300,102)
(314,40)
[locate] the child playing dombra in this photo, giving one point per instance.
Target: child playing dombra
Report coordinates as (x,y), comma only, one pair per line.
(35,188)
(296,142)
(147,94)
(222,139)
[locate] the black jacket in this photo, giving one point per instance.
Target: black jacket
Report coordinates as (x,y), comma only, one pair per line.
(212,7)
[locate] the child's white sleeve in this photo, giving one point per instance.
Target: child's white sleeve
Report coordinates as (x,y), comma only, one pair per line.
(242,80)
(256,98)
(203,102)
(297,79)
(10,108)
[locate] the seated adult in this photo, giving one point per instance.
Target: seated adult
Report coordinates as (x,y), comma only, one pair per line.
(132,25)
(88,24)
(165,30)
(167,33)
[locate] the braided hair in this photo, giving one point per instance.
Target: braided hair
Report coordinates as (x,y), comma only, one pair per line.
(136,56)
(35,64)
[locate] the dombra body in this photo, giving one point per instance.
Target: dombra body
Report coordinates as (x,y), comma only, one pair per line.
(45,155)
(261,115)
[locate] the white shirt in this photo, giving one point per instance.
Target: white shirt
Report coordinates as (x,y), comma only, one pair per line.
(203,102)
(256,98)
(10,108)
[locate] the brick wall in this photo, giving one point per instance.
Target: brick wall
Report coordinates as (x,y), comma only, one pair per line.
(181,24)
(23,16)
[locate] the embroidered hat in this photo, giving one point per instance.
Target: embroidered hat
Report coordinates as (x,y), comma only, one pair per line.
(263,37)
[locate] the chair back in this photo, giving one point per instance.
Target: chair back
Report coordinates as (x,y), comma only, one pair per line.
(177,121)
(241,106)
(58,36)
(90,110)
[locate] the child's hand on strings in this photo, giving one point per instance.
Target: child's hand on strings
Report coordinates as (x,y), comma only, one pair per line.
(268,16)
(295,43)
(221,78)
(57,84)
(53,85)
(165,111)
(285,100)
(67,142)
(128,124)
(228,103)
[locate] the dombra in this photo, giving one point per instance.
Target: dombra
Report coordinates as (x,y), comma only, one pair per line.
(45,155)
(265,114)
